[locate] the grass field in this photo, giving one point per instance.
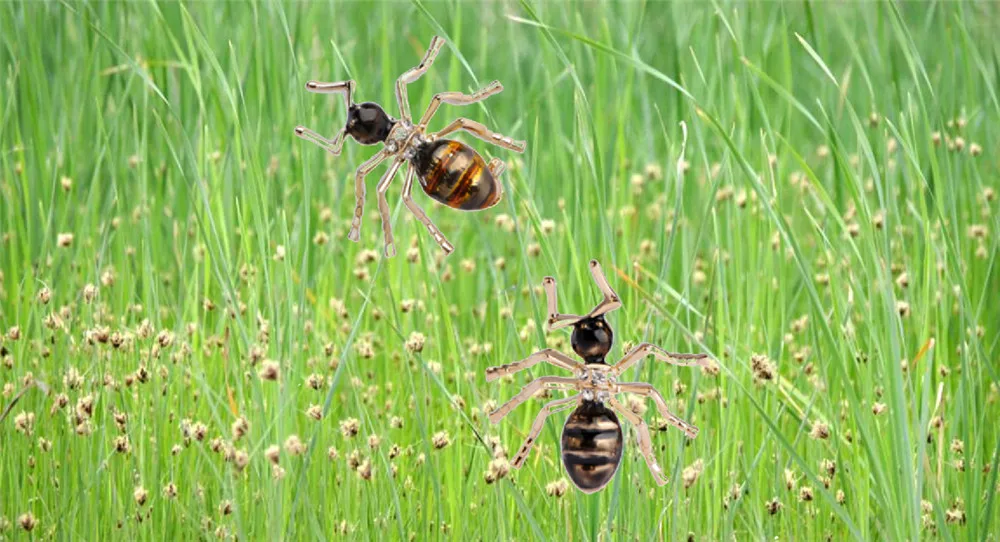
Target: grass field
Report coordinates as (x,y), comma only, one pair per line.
(192,348)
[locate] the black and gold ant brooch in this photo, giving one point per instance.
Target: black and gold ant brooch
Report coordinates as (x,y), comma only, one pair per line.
(592,440)
(449,171)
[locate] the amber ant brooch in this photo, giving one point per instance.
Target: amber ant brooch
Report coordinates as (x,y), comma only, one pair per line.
(449,171)
(592,440)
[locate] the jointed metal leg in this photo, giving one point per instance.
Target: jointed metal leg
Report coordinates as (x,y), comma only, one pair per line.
(333,146)
(359,192)
(482,132)
(383,206)
(548,356)
(611,300)
(344,88)
(413,74)
(550,382)
(645,349)
(550,408)
(457,98)
(556,319)
(497,167)
(641,388)
(421,215)
(644,440)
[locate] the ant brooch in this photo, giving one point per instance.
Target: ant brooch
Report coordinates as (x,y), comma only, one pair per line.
(449,171)
(592,440)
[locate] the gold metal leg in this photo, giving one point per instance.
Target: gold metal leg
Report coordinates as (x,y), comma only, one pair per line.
(550,408)
(647,390)
(333,146)
(644,440)
(418,212)
(383,206)
(359,192)
(413,74)
(482,132)
(611,300)
(550,382)
(457,98)
(556,319)
(646,349)
(548,355)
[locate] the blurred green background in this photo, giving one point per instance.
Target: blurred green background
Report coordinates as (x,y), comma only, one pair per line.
(804,190)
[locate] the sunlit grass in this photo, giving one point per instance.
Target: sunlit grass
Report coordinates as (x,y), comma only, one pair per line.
(192,348)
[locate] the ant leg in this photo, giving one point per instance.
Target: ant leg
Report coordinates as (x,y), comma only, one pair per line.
(333,146)
(496,167)
(556,320)
(421,215)
(643,438)
(647,390)
(457,98)
(359,192)
(413,74)
(383,206)
(611,300)
(549,382)
(550,408)
(482,132)
(344,88)
(548,355)
(644,349)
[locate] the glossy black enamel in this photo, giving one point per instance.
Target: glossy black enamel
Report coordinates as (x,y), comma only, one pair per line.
(592,446)
(368,123)
(592,339)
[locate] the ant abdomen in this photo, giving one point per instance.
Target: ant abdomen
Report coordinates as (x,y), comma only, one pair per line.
(592,446)
(454,174)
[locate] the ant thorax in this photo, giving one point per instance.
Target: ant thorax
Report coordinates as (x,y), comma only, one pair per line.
(400,138)
(600,384)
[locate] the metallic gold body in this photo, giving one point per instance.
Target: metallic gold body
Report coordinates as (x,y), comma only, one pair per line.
(454,174)
(592,445)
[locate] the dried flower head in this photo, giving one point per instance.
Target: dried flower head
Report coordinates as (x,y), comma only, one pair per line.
(350,427)
(27,521)
(415,343)
(557,488)
(294,445)
(692,472)
(762,367)
(270,370)
(820,430)
(273,453)
(140,495)
(440,440)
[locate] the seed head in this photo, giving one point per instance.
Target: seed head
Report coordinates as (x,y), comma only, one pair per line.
(140,495)
(315,412)
(294,445)
(170,490)
(239,428)
(691,473)
(350,427)
(270,370)
(64,240)
(773,506)
(557,488)
(415,343)
(820,430)
(27,521)
(440,440)
(763,368)
(806,494)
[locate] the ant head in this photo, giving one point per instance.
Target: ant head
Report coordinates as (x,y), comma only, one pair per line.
(592,339)
(368,123)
